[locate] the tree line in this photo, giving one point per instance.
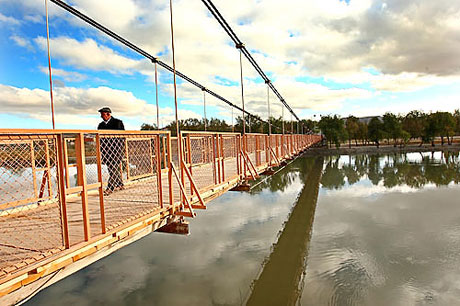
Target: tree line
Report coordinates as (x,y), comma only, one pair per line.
(396,129)
(254,125)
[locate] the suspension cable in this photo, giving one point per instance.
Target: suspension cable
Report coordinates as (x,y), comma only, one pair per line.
(242,92)
(49,64)
(220,19)
(233,126)
(268,110)
(142,52)
(204,105)
(282,117)
(179,142)
(156,96)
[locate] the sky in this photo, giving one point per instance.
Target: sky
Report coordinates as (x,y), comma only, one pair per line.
(349,57)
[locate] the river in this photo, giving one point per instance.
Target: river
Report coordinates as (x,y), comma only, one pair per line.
(336,230)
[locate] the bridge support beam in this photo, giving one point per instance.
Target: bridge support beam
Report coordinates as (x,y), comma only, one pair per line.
(269,171)
(179,227)
(244,186)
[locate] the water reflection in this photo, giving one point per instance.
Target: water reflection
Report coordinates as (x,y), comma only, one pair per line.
(413,169)
(346,230)
(280,280)
(386,232)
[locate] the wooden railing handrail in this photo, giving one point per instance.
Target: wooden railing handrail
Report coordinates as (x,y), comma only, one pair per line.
(64,131)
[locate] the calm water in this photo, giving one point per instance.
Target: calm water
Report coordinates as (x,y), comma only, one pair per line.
(348,230)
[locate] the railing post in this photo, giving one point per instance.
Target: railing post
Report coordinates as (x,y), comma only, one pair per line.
(277,147)
(62,186)
(182,165)
(81,179)
(267,150)
(245,151)
(214,158)
(222,156)
(238,154)
(158,160)
(257,151)
(100,181)
(189,156)
(170,173)
(217,160)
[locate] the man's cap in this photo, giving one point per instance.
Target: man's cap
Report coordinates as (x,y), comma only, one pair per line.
(105,110)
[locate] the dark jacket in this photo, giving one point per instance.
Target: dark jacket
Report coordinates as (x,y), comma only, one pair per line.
(113,124)
(113,146)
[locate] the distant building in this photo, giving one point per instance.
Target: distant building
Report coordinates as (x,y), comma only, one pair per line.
(366,119)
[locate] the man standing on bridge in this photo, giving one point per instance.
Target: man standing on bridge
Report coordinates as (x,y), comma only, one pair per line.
(112,148)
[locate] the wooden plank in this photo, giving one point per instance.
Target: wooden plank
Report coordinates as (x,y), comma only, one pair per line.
(81,179)
(170,174)
(61,144)
(76,189)
(188,156)
(222,156)
(101,183)
(158,160)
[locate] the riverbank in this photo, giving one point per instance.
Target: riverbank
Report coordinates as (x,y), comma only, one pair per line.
(383,149)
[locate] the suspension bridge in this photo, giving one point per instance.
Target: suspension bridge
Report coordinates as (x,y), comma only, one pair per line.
(55,217)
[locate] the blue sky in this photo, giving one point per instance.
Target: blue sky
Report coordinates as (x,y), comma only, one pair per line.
(334,57)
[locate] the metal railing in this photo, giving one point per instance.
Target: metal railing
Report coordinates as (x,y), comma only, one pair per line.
(60,188)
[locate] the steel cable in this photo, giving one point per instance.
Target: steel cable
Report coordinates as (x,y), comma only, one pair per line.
(142,52)
(215,12)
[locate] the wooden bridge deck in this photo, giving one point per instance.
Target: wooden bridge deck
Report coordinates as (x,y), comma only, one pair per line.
(52,216)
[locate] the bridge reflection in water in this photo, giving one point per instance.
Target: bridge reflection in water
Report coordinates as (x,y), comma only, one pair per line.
(280,281)
(53,209)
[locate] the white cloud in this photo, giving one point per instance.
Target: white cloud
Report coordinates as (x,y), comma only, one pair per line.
(88,54)
(115,14)
(22,42)
(406,82)
(78,106)
(9,20)
(70,76)
(413,45)
(34,18)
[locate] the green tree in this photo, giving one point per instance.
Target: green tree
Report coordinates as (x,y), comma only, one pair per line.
(333,129)
(414,123)
(440,124)
(253,124)
(148,127)
(352,128)
(457,121)
(392,127)
(375,130)
(363,132)
(447,126)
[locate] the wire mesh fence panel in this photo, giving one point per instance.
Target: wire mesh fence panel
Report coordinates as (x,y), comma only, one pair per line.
(174,156)
(132,187)
(92,177)
(251,148)
(30,215)
(202,156)
(285,144)
(262,150)
(230,154)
